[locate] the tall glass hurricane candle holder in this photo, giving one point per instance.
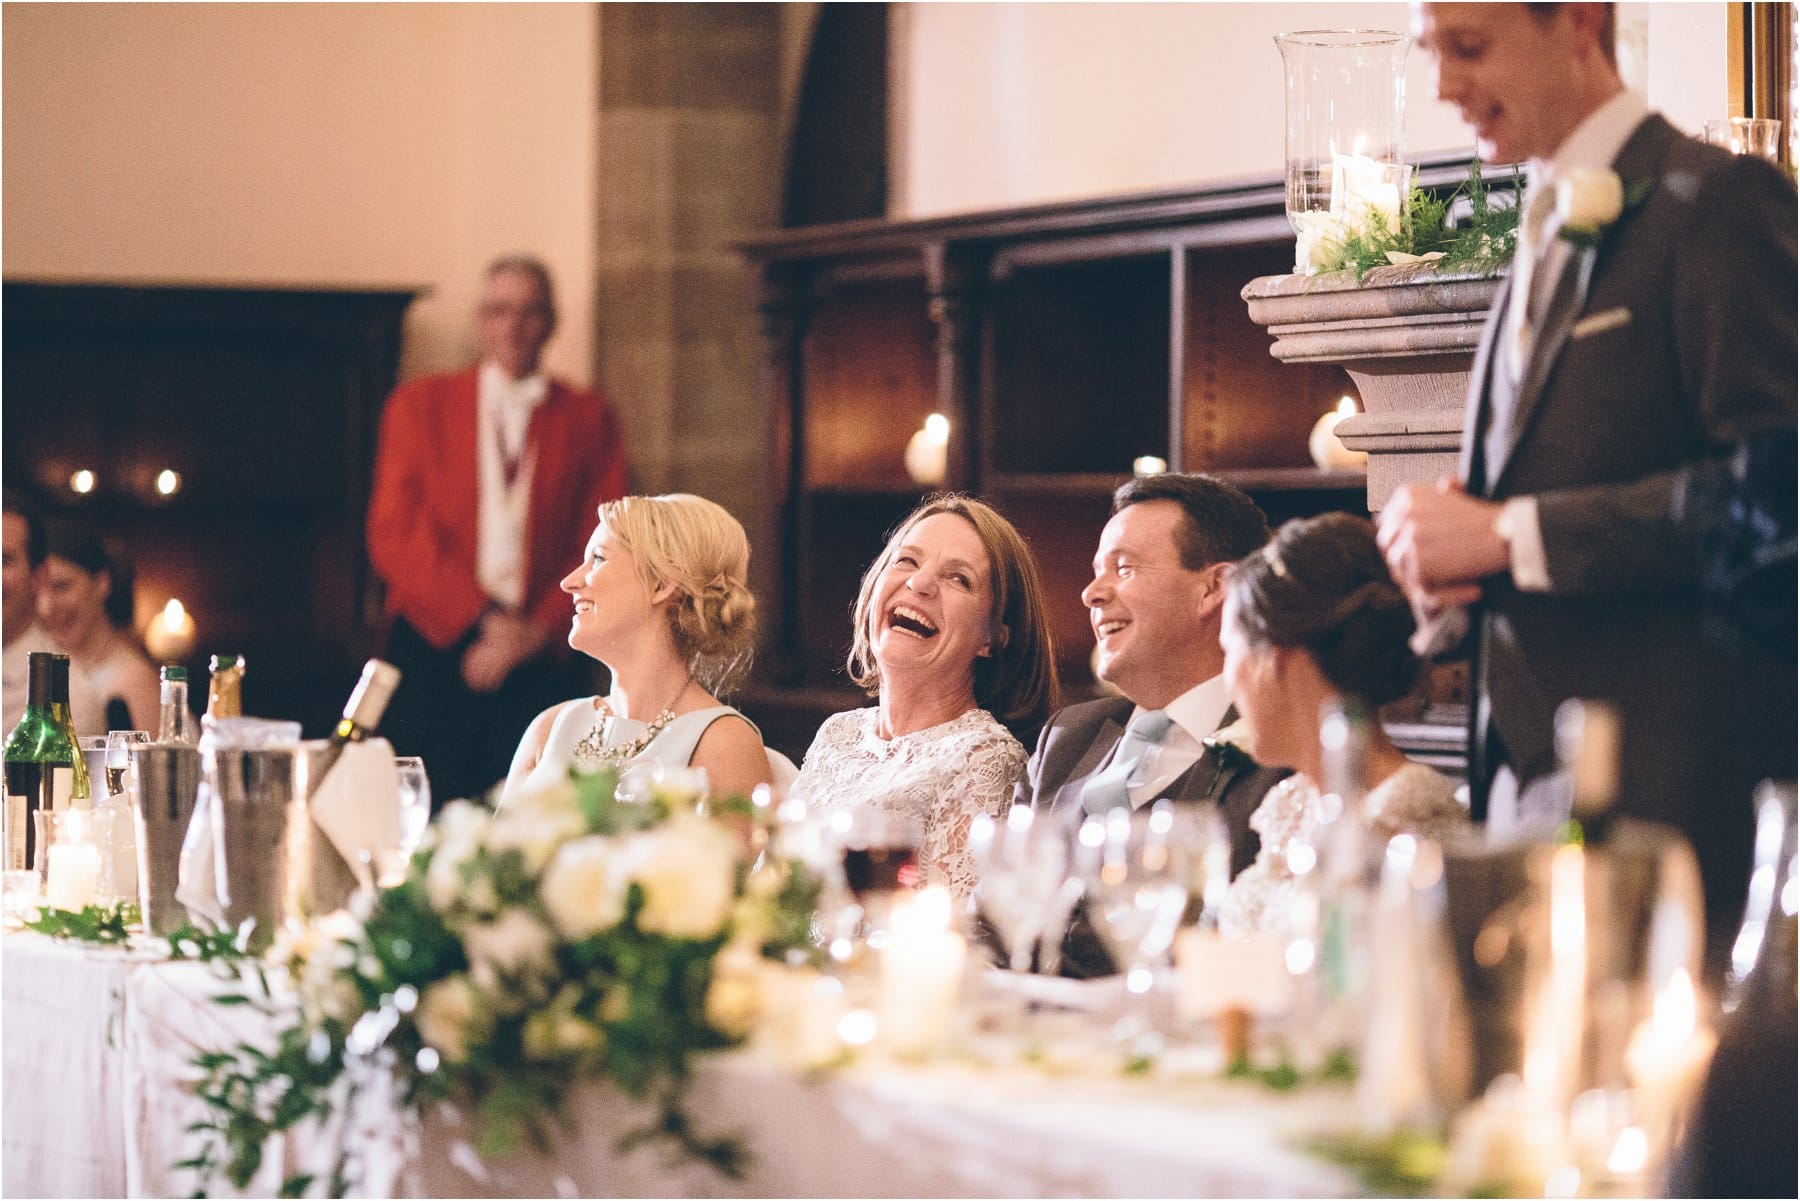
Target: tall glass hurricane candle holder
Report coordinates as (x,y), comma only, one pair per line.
(1346,136)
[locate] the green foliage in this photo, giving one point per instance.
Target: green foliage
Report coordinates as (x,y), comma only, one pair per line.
(1403,1163)
(623,1004)
(105,924)
(207,946)
(1483,243)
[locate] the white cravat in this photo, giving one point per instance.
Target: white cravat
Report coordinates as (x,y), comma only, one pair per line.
(504,462)
(1528,263)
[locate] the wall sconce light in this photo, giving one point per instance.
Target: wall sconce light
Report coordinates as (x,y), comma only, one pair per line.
(82,482)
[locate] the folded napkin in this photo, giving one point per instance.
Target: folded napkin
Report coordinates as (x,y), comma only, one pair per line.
(197,882)
(357,804)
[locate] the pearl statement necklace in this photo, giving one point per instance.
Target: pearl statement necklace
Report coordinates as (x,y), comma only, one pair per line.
(593,749)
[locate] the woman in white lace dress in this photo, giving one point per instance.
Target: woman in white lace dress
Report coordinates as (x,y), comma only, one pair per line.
(1313,618)
(950,638)
(661,598)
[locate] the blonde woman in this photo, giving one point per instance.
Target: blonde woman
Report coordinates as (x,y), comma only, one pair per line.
(661,598)
(950,638)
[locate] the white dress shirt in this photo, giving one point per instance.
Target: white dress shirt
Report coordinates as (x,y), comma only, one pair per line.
(503,415)
(1196,713)
(1595,143)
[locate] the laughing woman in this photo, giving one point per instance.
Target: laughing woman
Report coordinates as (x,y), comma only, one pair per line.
(661,599)
(950,638)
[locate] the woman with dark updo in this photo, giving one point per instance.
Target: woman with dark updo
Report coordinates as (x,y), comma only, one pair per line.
(1314,618)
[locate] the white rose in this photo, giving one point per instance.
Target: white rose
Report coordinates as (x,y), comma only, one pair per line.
(450,1017)
(1589,198)
(550,1033)
(513,947)
(734,998)
(1317,243)
(443,875)
(536,823)
(460,821)
(584,888)
(687,868)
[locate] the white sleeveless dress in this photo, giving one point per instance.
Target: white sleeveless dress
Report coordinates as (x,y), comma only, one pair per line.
(674,745)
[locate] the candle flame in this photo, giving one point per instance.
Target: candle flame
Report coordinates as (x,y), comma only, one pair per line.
(1675,1011)
(1346,407)
(938,426)
(174,614)
(925,913)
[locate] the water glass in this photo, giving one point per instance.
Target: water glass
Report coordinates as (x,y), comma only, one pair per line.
(1135,876)
(1022,864)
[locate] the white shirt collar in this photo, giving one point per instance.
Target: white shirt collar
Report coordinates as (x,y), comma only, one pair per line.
(495,386)
(1596,142)
(1200,709)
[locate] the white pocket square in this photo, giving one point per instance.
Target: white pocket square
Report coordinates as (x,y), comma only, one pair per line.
(1599,323)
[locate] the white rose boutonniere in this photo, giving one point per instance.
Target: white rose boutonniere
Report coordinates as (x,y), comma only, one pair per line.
(1234,745)
(1589,200)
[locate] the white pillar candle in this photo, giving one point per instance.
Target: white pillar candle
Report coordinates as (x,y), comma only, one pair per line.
(74,873)
(1666,1058)
(1328,450)
(1361,186)
(921,972)
(928,451)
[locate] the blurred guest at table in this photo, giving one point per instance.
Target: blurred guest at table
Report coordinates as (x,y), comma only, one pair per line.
(949,636)
(1314,618)
(1648,328)
(84,604)
(662,599)
(24,549)
(1154,604)
(483,481)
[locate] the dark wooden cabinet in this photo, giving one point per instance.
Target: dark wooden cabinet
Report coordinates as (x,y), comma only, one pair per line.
(1063,342)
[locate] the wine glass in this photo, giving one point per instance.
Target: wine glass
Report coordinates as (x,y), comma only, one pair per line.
(415,802)
(880,857)
(118,756)
(1022,864)
(1136,882)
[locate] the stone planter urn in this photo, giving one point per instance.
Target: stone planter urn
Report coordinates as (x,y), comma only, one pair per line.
(1407,336)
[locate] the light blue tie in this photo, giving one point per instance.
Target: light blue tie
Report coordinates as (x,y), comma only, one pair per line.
(1111,788)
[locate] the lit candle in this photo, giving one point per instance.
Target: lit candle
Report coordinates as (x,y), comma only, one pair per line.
(1328,450)
(170,634)
(921,972)
(1362,186)
(1146,465)
(1553,1043)
(928,451)
(74,874)
(1666,1057)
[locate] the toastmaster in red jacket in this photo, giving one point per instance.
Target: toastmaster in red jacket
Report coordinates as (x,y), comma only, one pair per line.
(486,486)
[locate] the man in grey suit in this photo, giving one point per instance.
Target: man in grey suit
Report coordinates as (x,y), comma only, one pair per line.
(1154,603)
(1648,328)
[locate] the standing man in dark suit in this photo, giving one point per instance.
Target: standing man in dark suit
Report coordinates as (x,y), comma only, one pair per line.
(487,484)
(1647,328)
(1154,603)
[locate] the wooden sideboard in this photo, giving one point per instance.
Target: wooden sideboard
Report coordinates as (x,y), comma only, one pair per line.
(1062,342)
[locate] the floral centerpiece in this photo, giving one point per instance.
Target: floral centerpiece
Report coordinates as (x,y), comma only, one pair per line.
(1430,231)
(573,936)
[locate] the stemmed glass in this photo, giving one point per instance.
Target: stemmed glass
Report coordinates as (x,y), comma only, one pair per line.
(118,756)
(415,802)
(1023,865)
(1135,873)
(880,852)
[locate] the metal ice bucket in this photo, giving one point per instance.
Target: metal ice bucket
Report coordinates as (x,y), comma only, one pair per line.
(254,789)
(1489,914)
(164,784)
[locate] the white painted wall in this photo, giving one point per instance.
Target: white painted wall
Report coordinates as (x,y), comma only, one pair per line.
(297,144)
(995,105)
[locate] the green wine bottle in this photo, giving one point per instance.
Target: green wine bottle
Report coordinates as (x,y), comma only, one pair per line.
(44,770)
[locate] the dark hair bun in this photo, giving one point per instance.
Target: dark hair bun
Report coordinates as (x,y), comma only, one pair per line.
(1322,585)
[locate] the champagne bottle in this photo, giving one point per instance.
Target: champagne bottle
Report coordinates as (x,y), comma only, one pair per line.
(1587,744)
(44,770)
(225,692)
(175,726)
(362,715)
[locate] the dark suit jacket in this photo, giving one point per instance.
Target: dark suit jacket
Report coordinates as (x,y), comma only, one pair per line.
(1660,347)
(1072,748)
(423,506)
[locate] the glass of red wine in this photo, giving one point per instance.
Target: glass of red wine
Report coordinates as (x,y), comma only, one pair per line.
(880,852)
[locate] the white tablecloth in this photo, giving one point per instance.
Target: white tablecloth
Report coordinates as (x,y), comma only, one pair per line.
(98,1045)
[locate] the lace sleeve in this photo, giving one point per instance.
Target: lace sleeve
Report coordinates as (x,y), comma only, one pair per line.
(983,782)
